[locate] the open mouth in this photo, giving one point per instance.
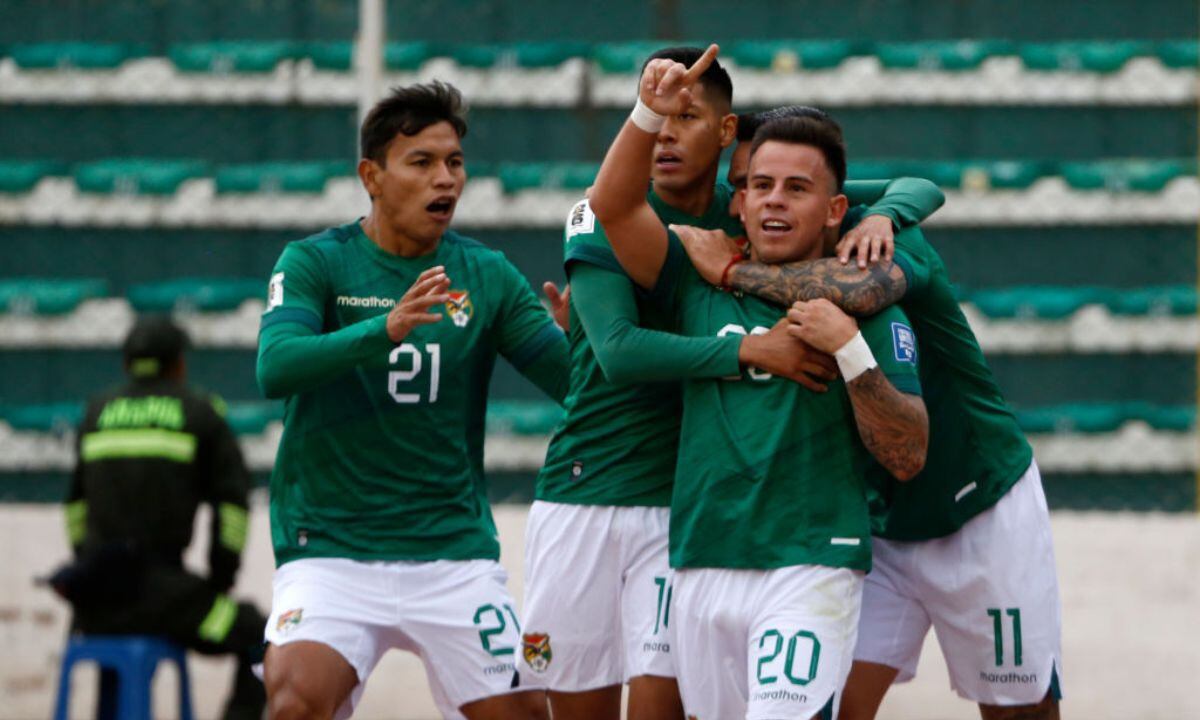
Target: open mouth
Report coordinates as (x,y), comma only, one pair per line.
(773,226)
(441,207)
(668,161)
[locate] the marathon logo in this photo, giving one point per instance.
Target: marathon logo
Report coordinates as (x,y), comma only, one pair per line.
(1011,677)
(365,302)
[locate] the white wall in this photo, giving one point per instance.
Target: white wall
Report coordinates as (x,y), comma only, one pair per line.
(1131,609)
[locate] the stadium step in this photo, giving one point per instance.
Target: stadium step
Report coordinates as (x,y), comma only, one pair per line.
(830,72)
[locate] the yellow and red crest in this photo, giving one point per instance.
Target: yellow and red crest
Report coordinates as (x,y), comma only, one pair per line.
(459,307)
(536,649)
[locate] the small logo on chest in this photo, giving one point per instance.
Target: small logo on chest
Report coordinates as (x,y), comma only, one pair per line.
(459,307)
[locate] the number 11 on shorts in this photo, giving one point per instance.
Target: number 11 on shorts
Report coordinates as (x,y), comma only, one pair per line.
(998,633)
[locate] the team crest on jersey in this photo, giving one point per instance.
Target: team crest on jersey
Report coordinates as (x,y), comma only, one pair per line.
(289,620)
(904,342)
(536,649)
(460,308)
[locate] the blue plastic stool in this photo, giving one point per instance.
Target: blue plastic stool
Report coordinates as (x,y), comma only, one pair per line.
(133,660)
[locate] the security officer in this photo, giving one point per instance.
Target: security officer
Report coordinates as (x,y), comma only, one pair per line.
(149,453)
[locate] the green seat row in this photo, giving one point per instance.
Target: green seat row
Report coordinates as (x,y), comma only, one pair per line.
(540,418)
(1101,418)
(1102,56)
(164,176)
(203,294)
(1056,303)
(48,296)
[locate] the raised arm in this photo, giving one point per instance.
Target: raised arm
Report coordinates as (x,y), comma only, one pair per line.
(618,197)
(893,425)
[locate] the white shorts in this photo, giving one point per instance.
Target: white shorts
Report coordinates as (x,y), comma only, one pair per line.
(597,593)
(765,644)
(990,591)
(457,615)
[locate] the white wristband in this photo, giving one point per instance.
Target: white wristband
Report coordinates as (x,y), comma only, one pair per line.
(854,358)
(647,119)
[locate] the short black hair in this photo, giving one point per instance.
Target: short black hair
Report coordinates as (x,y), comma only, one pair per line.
(749,123)
(410,110)
(154,345)
(715,78)
(823,134)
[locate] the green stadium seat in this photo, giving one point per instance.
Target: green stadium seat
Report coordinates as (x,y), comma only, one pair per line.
(137,175)
(232,56)
(1123,175)
(792,54)
(48,296)
(204,294)
(277,177)
(944,55)
(628,57)
(560,176)
(1081,418)
(522,418)
(1101,56)
(550,54)
(339,56)
(1171,418)
(1179,53)
(54,417)
(251,418)
(1035,302)
(87,56)
(1170,300)
(20,176)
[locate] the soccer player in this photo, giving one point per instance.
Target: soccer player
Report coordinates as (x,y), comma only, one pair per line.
(769,525)
(598,589)
(381,334)
(965,547)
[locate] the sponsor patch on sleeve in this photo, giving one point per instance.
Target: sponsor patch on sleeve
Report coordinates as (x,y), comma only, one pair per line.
(275,291)
(581,221)
(904,342)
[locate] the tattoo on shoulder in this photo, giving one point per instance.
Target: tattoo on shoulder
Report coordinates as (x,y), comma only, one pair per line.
(858,292)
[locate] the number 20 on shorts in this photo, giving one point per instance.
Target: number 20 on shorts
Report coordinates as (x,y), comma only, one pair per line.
(800,646)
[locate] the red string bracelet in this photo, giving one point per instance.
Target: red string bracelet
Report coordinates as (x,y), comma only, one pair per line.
(737,258)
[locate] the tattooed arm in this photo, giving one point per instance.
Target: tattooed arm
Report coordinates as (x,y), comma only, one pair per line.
(894,426)
(858,291)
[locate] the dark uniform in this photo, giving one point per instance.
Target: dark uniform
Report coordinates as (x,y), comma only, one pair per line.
(149,453)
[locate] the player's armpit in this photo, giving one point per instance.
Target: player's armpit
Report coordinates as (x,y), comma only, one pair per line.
(859,292)
(894,426)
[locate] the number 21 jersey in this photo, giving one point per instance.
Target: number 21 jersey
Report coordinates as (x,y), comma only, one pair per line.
(383,461)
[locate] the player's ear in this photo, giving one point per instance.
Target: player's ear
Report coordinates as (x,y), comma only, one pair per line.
(728,129)
(368,174)
(838,205)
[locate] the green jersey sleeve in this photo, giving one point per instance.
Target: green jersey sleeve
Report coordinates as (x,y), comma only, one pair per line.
(676,271)
(297,290)
(527,337)
(894,344)
(916,259)
(904,201)
(294,355)
(584,240)
(605,303)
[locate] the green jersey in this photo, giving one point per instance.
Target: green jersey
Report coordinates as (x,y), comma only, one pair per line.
(617,444)
(381,460)
(976,449)
(771,474)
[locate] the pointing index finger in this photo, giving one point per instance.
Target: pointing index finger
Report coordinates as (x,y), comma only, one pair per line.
(697,69)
